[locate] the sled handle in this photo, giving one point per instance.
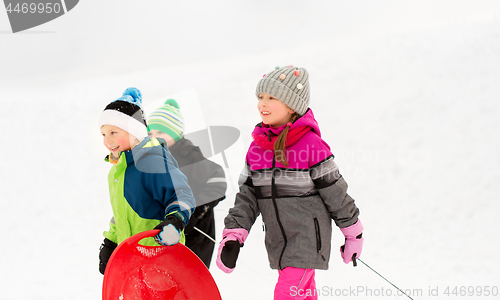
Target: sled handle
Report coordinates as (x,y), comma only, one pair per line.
(135,239)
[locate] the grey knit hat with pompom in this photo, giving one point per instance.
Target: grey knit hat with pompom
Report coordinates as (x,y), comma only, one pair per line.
(288,84)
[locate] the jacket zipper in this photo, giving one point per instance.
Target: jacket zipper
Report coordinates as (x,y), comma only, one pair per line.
(273,195)
(318,238)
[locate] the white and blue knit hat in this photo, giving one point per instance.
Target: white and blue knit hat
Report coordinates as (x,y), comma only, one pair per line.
(126,113)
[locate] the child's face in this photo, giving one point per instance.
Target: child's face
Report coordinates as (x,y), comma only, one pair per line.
(158,134)
(272,111)
(116,139)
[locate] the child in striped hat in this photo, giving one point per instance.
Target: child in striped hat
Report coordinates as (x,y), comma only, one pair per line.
(146,187)
(206,178)
(167,122)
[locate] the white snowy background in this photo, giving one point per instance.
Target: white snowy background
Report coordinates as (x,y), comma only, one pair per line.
(406,93)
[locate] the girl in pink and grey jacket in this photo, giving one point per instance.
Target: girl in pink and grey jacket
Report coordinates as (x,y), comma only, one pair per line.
(291,179)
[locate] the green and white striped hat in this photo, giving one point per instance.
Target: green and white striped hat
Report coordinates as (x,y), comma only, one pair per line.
(168,119)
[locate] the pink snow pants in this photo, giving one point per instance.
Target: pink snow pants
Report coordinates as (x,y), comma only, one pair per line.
(297,284)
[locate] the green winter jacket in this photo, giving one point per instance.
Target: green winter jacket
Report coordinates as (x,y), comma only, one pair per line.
(145,186)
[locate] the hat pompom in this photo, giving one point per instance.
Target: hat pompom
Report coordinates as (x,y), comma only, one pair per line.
(126,113)
(172,102)
(132,95)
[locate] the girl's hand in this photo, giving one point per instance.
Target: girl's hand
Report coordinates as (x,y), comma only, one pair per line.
(229,248)
(353,242)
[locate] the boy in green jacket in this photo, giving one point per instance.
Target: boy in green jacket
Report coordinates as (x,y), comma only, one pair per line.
(147,189)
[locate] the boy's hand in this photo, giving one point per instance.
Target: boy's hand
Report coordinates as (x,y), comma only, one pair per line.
(198,214)
(105,252)
(170,233)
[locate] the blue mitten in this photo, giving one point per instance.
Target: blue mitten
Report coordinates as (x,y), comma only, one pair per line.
(170,233)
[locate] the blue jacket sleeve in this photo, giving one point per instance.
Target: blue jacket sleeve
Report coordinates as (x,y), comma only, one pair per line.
(168,185)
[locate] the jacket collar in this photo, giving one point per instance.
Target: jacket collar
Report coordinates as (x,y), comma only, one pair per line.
(146,147)
(180,147)
(265,135)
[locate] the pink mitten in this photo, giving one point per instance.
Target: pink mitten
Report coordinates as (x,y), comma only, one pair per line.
(229,248)
(353,241)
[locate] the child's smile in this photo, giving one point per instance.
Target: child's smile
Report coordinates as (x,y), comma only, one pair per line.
(115,150)
(272,111)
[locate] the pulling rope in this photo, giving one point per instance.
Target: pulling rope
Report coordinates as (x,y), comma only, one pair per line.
(206,235)
(355,264)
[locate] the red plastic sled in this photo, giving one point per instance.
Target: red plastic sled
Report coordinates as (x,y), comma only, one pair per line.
(153,273)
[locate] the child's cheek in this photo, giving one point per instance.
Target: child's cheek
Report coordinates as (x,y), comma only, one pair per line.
(124,143)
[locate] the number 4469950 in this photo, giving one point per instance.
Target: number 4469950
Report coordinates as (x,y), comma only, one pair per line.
(34,8)
(471,291)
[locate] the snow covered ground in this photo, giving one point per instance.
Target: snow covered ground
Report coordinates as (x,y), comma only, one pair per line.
(407,96)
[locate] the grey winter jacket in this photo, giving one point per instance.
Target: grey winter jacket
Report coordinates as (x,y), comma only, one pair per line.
(297,202)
